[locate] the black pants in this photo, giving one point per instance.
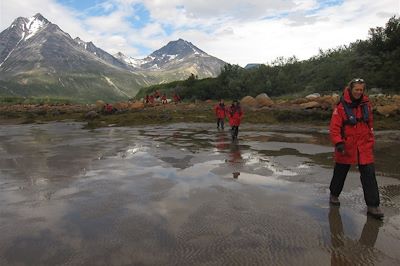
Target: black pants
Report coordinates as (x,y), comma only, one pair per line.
(220,122)
(235,132)
(368,181)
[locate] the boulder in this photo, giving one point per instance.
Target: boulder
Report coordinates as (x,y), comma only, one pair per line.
(91,115)
(310,105)
(328,100)
(248,101)
(121,105)
(396,98)
(281,101)
(299,101)
(313,96)
(263,100)
(136,106)
(100,104)
(387,110)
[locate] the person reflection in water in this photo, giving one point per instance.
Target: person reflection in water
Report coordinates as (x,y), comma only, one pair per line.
(346,251)
(221,141)
(235,160)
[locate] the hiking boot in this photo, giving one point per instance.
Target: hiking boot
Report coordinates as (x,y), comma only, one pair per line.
(333,200)
(375,212)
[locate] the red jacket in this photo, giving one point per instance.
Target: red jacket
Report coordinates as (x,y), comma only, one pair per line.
(220,111)
(235,116)
(359,138)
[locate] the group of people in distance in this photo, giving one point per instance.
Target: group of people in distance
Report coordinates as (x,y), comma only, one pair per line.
(352,134)
(234,113)
(157,97)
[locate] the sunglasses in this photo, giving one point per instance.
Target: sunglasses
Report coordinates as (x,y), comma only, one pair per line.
(357,80)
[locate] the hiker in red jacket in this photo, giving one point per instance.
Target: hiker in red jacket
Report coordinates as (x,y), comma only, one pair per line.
(164,99)
(235,115)
(351,131)
(176,97)
(220,113)
(151,99)
(157,94)
(108,109)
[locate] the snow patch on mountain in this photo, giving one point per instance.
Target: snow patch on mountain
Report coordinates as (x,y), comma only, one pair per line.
(118,90)
(80,42)
(172,56)
(34,25)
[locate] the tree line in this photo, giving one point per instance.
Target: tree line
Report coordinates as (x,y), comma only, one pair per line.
(375,59)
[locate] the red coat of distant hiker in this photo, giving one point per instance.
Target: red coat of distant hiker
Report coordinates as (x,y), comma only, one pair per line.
(235,116)
(220,111)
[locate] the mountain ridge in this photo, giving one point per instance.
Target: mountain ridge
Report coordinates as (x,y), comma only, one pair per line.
(37,58)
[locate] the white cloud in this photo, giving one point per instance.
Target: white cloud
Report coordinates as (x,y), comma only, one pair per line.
(233,30)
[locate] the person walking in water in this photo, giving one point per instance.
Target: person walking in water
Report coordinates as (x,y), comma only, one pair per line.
(235,114)
(351,131)
(220,113)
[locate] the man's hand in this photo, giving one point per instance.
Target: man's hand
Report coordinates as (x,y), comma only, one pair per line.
(340,147)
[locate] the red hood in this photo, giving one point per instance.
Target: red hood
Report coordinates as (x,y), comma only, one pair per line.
(347,98)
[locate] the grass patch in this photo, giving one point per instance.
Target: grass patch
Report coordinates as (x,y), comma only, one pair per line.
(33,100)
(181,113)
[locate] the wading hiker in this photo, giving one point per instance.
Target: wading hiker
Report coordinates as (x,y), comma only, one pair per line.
(235,114)
(220,113)
(351,131)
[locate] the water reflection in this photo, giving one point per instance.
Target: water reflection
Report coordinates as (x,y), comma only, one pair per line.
(346,251)
(235,159)
(221,141)
(124,194)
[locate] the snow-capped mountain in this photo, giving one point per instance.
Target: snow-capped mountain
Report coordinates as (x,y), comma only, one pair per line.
(179,55)
(130,61)
(22,29)
(37,58)
(91,48)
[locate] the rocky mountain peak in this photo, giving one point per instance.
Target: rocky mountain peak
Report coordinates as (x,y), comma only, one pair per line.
(33,51)
(179,47)
(39,16)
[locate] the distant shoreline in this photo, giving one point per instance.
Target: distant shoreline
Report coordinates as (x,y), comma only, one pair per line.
(201,112)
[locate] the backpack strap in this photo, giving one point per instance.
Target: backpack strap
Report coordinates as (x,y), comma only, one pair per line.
(351,118)
(365,113)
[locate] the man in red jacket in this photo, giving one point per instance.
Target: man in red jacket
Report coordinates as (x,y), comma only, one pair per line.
(220,113)
(351,131)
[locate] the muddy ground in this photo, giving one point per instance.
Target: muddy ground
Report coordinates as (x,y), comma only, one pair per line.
(184,194)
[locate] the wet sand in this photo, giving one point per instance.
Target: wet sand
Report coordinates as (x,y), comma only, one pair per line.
(184,194)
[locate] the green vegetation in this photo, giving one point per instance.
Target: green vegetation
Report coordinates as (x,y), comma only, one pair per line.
(77,87)
(6,100)
(202,112)
(375,59)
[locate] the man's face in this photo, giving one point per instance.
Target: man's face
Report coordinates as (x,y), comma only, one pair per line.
(358,90)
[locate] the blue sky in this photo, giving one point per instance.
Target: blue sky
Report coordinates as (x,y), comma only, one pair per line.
(236,31)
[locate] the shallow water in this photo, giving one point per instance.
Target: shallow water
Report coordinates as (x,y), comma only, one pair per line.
(184,194)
